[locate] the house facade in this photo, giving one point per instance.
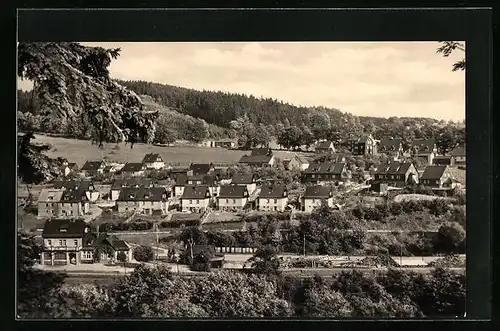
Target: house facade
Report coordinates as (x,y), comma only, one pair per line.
(143,200)
(232,198)
(48,202)
(92,168)
(458,155)
(259,157)
(397,174)
(200,169)
(133,169)
(247,180)
(272,198)
(315,195)
(325,172)
(195,199)
(392,147)
(71,201)
(296,162)
(153,161)
(424,149)
(206,180)
(363,145)
(118,184)
(84,185)
(324,147)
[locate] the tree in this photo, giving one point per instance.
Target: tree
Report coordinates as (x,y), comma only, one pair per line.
(121,257)
(450,238)
(262,136)
(143,253)
(448,47)
(320,124)
(71,80)
(265,261)
(323,302)
(164,134)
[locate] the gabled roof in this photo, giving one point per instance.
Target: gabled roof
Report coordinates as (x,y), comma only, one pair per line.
(434,172)
(92,165)
(50,195)
(324,145)
(205,180)
(65,228)
(131,182)
(181,180)
(152,157)
(75,194)
(93,239)
(387,145)
(317,191)
(86,185)
(142,194)
(233,191)
(273,191)
(255,159)
(334,168)
(359,139)
(458,151)
(200,168)
(261,151)
(393,168)
(243,179)
(423,146)
(196,192)
(132,167)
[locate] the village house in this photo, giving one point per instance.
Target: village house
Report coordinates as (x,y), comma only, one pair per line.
(85,185)
(458,155)
(197,169)
(438,176)
(391,147)
(295,162)
(71,200)
(337,158)
(69,168)
(112,168)
(325,172)
(206,180)
(153,161)
(175,173)
(92,168)
(396,174)
(71,241)
(225,143)
(259,157)
(48,202)
(195,199)
(443,160)
(144,200)
(314,195)
(133,169)
(247,180)
(273,198)
(118,184)
(324,147)
(363,145)
(424,149)
(232,198)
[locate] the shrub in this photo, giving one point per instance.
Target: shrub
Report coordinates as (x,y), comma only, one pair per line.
(122,257)
(143,253)
(450,238)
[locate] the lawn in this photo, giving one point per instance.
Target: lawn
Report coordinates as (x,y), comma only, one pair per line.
(79,151)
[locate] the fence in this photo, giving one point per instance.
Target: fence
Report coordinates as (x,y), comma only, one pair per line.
(236,250)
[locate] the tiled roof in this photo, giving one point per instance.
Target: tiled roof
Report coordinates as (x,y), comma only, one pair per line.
(152,157)
(324,145)
(261,151)
(358,139)
(142,194)
(387,145)
(86,185)
(326,168)
(423,146)
(395,168)
(243,179)
(317,191)
(196,192)
(181,180)
(200,168)
(131,182)
(132,167)
(233,191)
(92,239)
(205,180)
(255,159)
(434,172)
(50,195)
(75,194)
(272,191)
(65,228)
(92,165)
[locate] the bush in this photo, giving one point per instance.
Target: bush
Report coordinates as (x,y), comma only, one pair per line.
(121,257)
(143,253)
(450,239)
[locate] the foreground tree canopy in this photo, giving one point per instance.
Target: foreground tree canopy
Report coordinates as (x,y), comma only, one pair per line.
(71,80)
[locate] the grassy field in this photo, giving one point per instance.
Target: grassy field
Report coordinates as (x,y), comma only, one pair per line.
(79,151)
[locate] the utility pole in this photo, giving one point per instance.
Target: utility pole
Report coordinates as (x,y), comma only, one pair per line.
(304,244)
(157,243)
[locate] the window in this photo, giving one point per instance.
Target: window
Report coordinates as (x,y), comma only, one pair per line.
(60,242)
(46,205)
(275,200)
(227,200)
(313,200)
(267,200)
(234,201)
(75,242)
(197,202)
(87,255)
(49,242)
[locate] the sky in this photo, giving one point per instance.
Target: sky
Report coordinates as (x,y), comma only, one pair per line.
(382,79)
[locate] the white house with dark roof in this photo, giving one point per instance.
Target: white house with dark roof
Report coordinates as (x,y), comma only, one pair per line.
(144,200)
(272,198)
(153,161)
(247,180)
(323,147)
(133,169)
(325,172)
(232,198)
(314,195)
(397,174)
(361,145)
(118,184)
(424,149)
(200,169)
(458,155)
(259,157)
(92,168)
(392,147)
(195,198)
(438,176)
(66,199)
